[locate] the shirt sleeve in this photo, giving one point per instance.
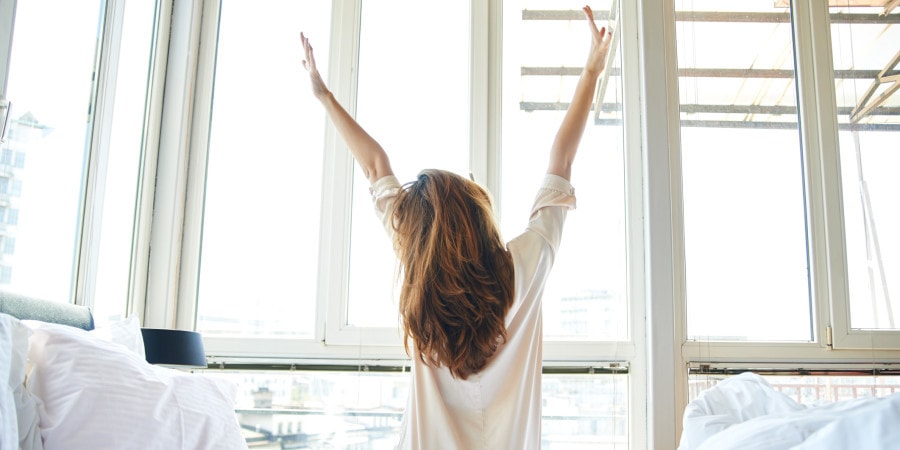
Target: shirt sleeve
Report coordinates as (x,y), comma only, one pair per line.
(384,195)
(554,199)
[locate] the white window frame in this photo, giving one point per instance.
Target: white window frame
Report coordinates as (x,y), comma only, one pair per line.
(172,269)
(834,344)
(173,277)
(98,149)
(98,154)
(7,23)
(833,244)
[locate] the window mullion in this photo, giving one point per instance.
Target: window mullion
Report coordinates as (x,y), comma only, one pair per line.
(140,250)
(337,193)
(662,194)
(98,154)
(818,128)
(628,25)
(186,308)
(485,69)
(172,168)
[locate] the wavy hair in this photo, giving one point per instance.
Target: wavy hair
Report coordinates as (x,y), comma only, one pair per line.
(457,275)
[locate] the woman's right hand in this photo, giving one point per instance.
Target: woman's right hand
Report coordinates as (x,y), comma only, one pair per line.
(600,40)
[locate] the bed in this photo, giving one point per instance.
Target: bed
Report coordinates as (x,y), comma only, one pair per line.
(73,386)
(745,412)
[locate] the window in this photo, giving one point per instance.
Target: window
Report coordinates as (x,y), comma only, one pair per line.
(865,58)
(545,44)
(364,408)
(271,138)
(742,174)
(8,245)
(347,266)
(49,96)
(780,108)
(321,270)
(420,118)
(813,389)
(120,160)
(70,106)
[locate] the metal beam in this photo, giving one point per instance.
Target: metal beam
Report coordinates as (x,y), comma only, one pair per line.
(760,125)
(561,14)
(840,3)
(697,72)
(868,109)
(887,75)
(784,125)
(707,108)
(717,16)
(755,17)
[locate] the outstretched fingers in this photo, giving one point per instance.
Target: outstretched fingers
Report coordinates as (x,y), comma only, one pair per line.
(589,14)
(600,42)
(598,33)
(309,63)
(320,90)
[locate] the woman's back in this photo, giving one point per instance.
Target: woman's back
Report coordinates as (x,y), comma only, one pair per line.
(500,406)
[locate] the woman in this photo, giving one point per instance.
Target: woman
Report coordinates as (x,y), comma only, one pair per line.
(470,305)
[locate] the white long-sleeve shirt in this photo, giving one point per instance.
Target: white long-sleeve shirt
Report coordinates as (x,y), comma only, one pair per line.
(500,406)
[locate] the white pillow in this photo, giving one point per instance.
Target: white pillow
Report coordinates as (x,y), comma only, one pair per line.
(100,395)
(9,428)
(126,332)
(18,408)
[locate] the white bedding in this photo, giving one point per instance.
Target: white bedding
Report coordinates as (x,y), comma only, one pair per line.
(64,388)
(745,412)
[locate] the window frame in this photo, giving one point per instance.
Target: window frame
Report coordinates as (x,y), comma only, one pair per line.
(818,128)
(7,23)
(833,344)
(86,242)
(332,339)
(839,331)
(370,345)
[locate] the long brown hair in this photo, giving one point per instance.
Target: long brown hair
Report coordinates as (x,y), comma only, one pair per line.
(457,275)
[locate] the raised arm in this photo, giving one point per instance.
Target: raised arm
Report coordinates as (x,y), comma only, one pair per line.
(369,154)
(562,154)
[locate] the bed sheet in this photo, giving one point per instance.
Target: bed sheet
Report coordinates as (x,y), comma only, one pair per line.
(745,412)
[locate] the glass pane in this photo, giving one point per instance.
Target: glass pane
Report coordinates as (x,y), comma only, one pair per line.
(259,260)
(584,412)
(742,170)
(545,47)
(123,163)
(318,409)
(418,109)
(865,48)
(51,78)
(812,390)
